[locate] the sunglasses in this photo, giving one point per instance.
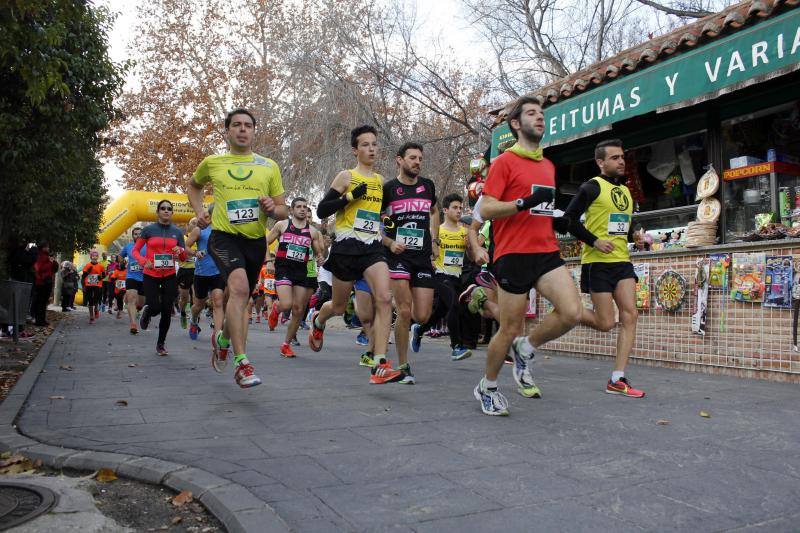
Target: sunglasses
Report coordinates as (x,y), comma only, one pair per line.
(165,208)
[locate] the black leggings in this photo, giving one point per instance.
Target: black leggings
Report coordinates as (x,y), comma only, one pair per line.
(159,295)
(446,306)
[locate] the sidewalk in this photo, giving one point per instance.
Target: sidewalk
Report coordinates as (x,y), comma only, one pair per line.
(329,452)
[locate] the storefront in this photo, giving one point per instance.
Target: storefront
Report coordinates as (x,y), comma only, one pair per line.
(721,94)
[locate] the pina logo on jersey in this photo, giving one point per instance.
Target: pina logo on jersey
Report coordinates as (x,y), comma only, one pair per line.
(619,198)
(240,175)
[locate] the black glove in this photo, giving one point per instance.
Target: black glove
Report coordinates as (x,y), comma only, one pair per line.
(359,191)
(561,224)
(542,195)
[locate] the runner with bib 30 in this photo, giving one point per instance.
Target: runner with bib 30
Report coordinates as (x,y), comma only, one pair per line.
(606,269)
(247,190)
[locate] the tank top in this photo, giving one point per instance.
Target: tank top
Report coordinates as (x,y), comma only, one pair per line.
(206,265)
(609,218)
(358,224)
(293,247)
(409,209)
(452,245)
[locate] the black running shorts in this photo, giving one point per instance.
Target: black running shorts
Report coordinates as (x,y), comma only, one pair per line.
(203,285)
(603,277)
(135,285)
(230,252)
(518,273)
(417,270)
(351,267)
(185,278)
(92,296)
(294,277)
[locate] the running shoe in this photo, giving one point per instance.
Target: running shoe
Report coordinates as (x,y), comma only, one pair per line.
(362,339)
(134,330)
(161,349)
(315,335)
(623,388)
(476,300)
(467,294)
(194,331)
(273,317)
(103,308)
(484,278)
(303,325)
(459,353)
(367,360)
(245,376)
(284,317)
(508,360)
(110,311)
(144,318)
(250,320)
(406,377)
(492,400)
(96,314)
(258,319)
(384,373)
(286,350)
(415,339)
(119,315)
(294,341)
(91,320)
(219,355)
(522,372)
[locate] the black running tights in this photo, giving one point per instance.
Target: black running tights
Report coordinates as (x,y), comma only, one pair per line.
(159,295)
(446,305)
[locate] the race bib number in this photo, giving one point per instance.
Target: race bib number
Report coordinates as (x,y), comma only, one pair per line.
(368,222)
(453,258)
(545,208)
(295,252)
(92,279)
(411,238)
(269,284)
(618,223)
(120,284)
(135,267)
(163,261)
(242,211)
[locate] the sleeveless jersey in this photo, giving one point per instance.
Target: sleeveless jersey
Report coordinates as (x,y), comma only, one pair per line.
(358,223)
(609,218)
(134,268)
(409,208)
(452,245)
(206,265)
(293,247)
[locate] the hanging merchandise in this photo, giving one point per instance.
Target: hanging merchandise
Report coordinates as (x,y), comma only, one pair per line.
(795,303)
(670,291)
(642,271)
(662,160)
(687,168)
(673,185)
(718,271)
(778,282)
(634,182)
(531,311)
(701,300)
(708,185)
(747,277)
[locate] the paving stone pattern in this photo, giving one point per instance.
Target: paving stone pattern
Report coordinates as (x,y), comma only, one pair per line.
(329,452)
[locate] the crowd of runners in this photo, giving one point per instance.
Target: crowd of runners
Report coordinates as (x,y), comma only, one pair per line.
(396,256)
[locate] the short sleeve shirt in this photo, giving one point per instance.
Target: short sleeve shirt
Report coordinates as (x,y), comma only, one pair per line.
(238,182)
(529,231)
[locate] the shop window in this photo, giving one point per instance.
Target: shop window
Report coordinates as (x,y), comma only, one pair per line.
(761,157)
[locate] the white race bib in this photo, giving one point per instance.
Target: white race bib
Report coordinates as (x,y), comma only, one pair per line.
(269,284)
(368,222)
(618,223)
(92,279)
(135,267)
(296,252)
(411,238)
(545,208)
(453,258)
(120,284)
(242,211)
(163,261)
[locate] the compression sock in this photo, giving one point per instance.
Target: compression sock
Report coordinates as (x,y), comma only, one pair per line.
(223,342)
(616,375)
(240,359)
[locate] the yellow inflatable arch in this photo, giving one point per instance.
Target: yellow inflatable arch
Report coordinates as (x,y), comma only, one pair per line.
(132,207)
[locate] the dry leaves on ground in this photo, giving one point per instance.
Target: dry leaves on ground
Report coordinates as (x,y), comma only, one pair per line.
(182,498)
(663,422)
(66,367)
(705,414)
(18,464)
(105,475)
(56,397)
(122,403)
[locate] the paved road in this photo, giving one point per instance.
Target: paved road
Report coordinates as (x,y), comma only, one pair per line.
(330,452)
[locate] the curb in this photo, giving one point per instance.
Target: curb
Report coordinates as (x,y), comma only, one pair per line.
(233,505)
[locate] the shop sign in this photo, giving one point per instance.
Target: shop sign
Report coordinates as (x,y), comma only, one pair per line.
(769,48)
(760,169)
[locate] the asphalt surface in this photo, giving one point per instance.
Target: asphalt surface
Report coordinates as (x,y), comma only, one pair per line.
(330,452)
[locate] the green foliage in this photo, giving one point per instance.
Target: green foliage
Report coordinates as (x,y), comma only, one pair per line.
(57,90)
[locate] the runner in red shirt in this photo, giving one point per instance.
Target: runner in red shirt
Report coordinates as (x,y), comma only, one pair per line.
(519,199)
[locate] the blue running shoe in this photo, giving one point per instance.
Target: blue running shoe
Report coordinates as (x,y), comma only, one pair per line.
(459,353)
(362,339)
(194,331)
(493,402)
(522,372)
(415,340)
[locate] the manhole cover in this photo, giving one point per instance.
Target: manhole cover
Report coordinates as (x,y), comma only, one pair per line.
(20,502)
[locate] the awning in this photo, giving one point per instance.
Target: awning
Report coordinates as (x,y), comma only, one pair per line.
(761,52)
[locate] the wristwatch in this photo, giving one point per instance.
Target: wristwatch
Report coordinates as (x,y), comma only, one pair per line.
(520,203)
